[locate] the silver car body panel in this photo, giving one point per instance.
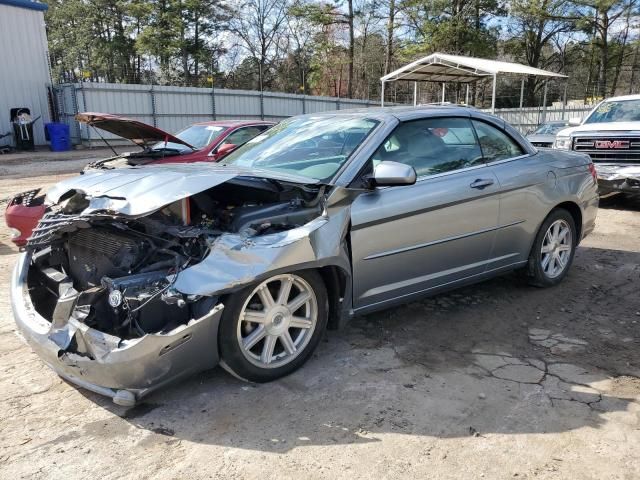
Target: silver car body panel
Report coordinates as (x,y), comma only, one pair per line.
(422,256)
(236,261)
(139,191)
(391,244)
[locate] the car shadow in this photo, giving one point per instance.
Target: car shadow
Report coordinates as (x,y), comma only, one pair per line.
(499,357)
(621,202)
(7,249)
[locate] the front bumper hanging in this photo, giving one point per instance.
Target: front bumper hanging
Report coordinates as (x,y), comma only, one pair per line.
(615,178)
(124,370)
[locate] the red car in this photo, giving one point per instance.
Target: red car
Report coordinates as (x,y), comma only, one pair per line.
(200,142)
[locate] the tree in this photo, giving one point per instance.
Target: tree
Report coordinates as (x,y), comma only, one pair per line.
(328,15)
(457,27)
(160,38)
(391,25)
(260,26)
(601,16)
(534,26)
(341,47)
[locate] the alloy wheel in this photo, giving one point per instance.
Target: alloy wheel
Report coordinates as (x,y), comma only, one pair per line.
(277,321)
(556,248)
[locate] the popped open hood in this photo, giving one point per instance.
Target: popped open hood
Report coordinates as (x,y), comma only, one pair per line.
(139,133)
(140,191)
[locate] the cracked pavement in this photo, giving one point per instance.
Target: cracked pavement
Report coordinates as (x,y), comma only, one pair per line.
(497,380)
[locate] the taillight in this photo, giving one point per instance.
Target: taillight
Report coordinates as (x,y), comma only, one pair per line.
(592,170)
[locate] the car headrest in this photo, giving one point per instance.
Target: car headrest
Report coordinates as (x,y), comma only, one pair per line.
(423,142)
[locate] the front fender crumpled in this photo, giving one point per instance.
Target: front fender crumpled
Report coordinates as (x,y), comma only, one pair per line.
(236,260)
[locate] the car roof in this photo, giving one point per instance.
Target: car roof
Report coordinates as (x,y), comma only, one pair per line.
(622,98)
(403,112)
(235,123)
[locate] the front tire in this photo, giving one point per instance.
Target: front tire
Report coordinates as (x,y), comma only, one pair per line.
(553,249)
(270,328)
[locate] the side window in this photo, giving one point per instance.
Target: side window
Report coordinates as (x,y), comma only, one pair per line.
(432,145)
(242,135)
(495,144)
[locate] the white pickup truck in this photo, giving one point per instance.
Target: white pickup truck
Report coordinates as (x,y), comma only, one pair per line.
(610,134)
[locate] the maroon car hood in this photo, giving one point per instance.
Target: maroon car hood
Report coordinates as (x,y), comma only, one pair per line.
(139,133)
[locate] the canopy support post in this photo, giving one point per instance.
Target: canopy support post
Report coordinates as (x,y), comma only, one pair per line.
(544,103)
(493,95)
(382,94)
(443,92)
(415,93)
(521,93)
(466,96)
(564,99)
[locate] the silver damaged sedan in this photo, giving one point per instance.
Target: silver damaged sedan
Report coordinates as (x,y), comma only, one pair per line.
(138,276)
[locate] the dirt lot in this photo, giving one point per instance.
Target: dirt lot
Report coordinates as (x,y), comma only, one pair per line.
(498,380)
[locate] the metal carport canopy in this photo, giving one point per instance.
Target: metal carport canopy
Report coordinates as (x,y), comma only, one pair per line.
(441,67)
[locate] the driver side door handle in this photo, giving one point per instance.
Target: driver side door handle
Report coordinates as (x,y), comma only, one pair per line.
(481,183)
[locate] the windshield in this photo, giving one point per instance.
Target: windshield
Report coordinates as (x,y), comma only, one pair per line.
(618,111)
(550,128)
(314,147)
(197,135)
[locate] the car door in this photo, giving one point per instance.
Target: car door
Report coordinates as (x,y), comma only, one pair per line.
(407,240)
(238,137)
(526,181)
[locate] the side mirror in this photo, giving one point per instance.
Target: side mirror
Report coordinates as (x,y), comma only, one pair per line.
(224,149)
(575,122)
(389,174)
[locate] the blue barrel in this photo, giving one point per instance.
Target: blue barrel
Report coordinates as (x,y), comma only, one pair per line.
(59,136)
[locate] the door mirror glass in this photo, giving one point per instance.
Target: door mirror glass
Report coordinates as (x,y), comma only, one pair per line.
(575,122)
(389,174)
(224,149)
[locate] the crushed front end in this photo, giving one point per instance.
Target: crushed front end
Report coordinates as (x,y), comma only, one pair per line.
(116,303)
(93,297)
(618,179)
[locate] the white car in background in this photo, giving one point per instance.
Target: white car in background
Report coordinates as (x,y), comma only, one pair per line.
(544,135)
(610,135)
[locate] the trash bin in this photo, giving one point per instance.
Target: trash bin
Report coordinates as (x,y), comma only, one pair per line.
(22,128)
(59,136)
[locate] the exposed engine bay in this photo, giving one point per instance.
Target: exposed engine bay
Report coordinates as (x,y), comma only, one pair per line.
(116,273)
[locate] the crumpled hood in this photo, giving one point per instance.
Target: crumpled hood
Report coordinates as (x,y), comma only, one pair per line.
(605,128)
(139,191)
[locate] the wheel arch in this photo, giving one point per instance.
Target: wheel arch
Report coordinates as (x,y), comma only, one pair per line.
(575,212)
(337,282)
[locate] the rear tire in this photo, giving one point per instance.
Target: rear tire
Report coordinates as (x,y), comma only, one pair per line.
(553,249)
(270,328)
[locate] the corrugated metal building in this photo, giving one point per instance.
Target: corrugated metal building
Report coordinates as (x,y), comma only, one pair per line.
(24,67)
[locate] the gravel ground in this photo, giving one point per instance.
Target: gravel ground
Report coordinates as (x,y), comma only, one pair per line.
(43,162)
(497,380)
